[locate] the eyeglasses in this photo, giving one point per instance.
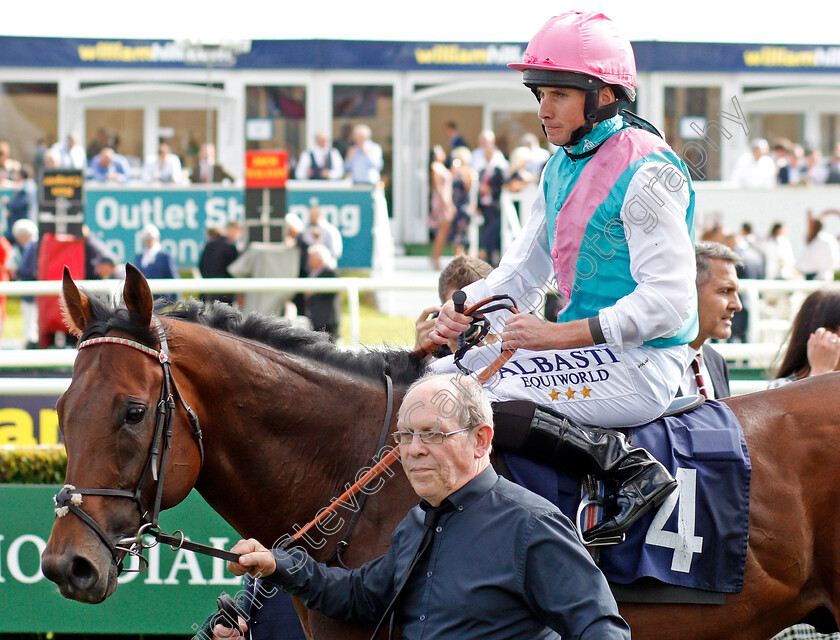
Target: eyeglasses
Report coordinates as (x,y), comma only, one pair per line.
(428,437)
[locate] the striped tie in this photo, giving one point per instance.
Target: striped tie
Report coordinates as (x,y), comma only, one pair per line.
(698,377)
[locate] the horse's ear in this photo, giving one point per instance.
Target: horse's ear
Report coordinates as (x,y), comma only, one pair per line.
(75,306)
(136,293)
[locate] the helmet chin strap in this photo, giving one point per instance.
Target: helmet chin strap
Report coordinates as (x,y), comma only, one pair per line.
(593,115)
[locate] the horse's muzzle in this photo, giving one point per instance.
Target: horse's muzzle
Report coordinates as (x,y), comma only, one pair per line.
(78,577)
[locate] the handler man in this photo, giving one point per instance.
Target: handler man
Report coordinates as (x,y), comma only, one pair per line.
(479,558)
(612,230)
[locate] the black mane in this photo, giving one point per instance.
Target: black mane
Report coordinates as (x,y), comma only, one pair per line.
(401,364)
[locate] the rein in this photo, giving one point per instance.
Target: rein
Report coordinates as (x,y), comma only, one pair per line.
(374,472)
(488,305)
(69,499)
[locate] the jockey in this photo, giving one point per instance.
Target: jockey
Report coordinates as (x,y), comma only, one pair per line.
(613,230)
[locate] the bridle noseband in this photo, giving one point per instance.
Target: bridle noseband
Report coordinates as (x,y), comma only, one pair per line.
(69,499)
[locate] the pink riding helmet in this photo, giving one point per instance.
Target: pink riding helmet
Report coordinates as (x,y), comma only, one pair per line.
(578,49)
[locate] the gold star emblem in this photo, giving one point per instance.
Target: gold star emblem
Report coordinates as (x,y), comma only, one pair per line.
(570,393)
(553,394)
(587,392)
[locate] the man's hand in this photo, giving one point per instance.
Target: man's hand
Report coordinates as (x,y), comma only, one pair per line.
(526,331)
(254,559)
(221,632)
(449,323)
(823,351)
(424,325)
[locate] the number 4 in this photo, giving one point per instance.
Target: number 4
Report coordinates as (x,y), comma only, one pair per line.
(684,543)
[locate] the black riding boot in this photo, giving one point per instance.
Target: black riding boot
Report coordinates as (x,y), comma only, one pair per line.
(541,434)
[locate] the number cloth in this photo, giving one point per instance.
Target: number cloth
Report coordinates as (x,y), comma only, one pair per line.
(698,537)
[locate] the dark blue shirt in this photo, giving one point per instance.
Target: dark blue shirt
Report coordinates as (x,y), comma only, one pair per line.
(504,564)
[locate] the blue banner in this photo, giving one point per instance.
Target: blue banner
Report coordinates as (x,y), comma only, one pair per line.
(399,56)
(182,215)
(350,210)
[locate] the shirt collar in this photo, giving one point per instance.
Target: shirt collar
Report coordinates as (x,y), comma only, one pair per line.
(599,133)
(469,493)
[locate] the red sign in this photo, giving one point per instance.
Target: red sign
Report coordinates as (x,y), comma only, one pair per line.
(266,169)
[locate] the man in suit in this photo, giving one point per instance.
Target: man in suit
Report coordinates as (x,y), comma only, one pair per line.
(718,301)
(453,135)
(753,269)
(206,168)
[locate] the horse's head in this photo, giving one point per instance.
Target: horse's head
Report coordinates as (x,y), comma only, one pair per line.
(116,419)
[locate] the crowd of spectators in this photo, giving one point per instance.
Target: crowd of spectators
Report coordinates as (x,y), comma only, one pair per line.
(466,184)
(785,163)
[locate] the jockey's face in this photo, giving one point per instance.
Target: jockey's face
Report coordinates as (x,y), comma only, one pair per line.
(718,301)
(561,112)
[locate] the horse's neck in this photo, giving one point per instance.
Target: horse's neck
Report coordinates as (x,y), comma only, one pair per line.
(274,426)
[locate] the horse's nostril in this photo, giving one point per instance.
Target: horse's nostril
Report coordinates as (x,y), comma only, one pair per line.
(82,573)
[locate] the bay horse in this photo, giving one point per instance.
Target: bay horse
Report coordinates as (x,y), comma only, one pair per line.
(286,419)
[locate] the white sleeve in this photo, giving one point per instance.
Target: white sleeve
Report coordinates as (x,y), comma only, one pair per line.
(526,270)
(336,165)
(302,168)
(662,260)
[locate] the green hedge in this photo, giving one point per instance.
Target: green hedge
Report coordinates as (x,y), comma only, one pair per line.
(43,464)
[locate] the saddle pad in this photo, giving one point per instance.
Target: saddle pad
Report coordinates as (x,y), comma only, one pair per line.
(698,537)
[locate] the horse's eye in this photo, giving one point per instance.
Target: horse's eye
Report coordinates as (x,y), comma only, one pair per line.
(135,414)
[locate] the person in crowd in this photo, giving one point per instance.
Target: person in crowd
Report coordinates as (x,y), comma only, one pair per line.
(779,259)
(519,176)
(25,233)
(717,303)
(786,170)
(744,243)
(364,160)
(154,261)
(461,271)
(491,167)
(99,141)
(344,140)
(487,153)
(463,179)
(109,166)
(206,169)
(71,154)
(322,306)
(820,257)
(320,230)
(539,155)
(815,168)
(442,210)
(322,161)
(6,258)
(813,345)
(755,169)
(9,167)
(608,287)
(218,253)
(107,268)
(95,250)
(833,165)
(454,139)
(163,167)
(24,202)
(541,581)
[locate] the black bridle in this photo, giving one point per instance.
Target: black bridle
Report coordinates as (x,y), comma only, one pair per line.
(69,499)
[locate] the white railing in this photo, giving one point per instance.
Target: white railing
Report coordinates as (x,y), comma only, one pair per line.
(774,303)
(352,287)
